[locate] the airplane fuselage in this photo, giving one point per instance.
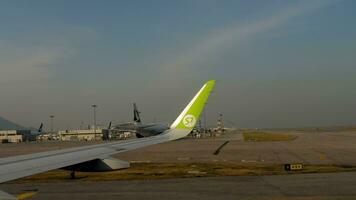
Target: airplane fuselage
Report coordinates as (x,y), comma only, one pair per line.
(147,130)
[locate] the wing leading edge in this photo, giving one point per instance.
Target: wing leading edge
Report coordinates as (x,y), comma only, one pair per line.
(15,167)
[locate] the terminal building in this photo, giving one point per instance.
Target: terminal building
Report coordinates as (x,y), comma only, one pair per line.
(10,136)
(81,135)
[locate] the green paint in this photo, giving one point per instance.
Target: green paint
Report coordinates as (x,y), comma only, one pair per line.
(191,117)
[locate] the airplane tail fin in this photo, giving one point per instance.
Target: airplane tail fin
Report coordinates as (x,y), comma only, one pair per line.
(136,114)
(109,127)
(191,113)
(40,129)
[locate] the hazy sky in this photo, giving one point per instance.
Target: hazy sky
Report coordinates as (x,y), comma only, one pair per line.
(278,63)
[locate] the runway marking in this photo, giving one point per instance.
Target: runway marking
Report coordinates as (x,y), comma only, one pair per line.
(217,151)
(322,156)
(26,194)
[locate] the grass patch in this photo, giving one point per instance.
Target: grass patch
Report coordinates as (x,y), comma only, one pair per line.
(151,171)
(267,137)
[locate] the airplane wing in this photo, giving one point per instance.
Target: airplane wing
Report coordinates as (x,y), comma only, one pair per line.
(98,156)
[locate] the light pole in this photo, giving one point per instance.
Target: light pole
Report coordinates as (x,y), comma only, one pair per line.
(52,116)
(94,109)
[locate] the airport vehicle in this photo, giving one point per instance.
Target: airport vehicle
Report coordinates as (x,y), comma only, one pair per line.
(97,157)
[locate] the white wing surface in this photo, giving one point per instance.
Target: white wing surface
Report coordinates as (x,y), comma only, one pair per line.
(15,167)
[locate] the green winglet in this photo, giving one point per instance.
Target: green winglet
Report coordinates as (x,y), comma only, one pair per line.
(190,115)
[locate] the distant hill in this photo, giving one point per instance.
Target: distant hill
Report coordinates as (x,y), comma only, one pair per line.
(9,125)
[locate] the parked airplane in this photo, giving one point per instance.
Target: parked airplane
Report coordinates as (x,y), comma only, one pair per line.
(146,130)
(39,131)
(31,136)
(141,129)
(97,157)
(137,117)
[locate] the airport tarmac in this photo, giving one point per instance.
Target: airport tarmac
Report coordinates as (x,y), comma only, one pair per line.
(324,186)
(331,148)
(336,148)
(325,148)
